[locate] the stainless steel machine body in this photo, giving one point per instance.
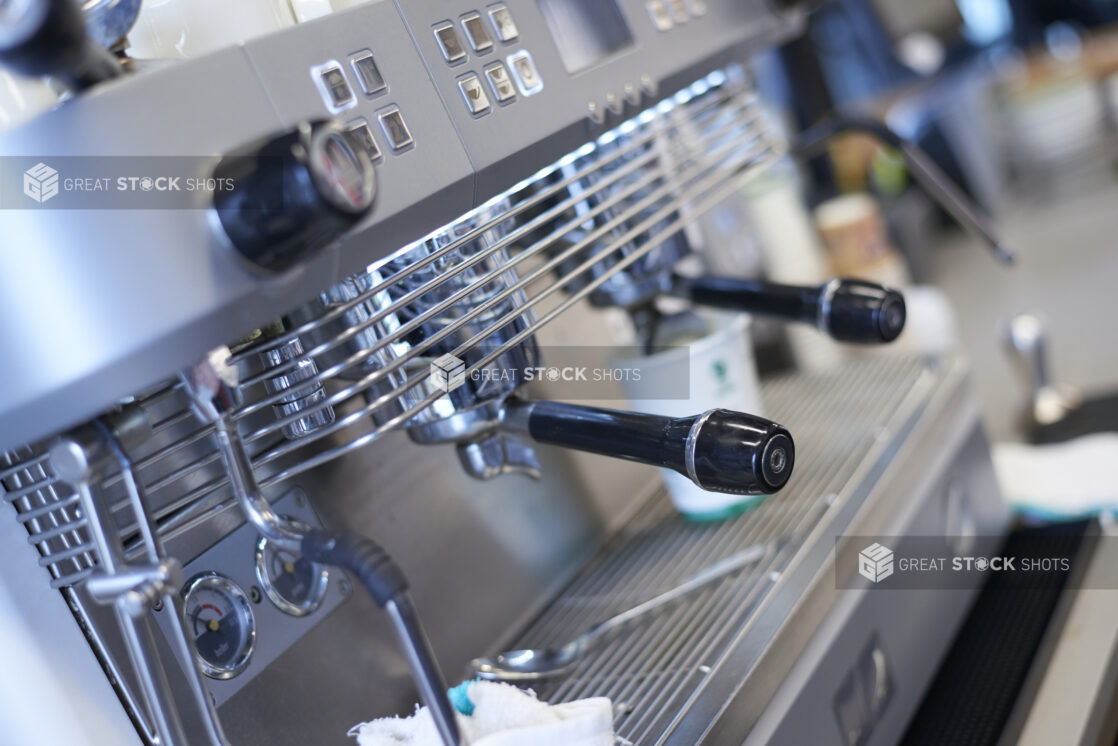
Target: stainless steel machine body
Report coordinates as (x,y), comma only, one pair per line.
(615,154)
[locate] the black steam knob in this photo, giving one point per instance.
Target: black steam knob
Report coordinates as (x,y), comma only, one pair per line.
(283,199)
(720,450)
(856,311)
(48,38)
(847,310)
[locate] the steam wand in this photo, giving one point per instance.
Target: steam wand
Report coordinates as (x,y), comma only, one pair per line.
(212,385)
(938,184)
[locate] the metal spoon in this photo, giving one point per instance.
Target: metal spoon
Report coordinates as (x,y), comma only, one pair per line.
(531,665)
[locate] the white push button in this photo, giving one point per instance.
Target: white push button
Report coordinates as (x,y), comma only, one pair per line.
(661,16)
(395,129)
(334,87)
(368,74)
(474,93)
(679,11)
(449,43)
(476,33)
(360,135)
(527,79)
(503,24)
(500,82)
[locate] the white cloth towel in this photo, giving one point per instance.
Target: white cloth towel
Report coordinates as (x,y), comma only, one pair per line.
(1062,480)
(503,716)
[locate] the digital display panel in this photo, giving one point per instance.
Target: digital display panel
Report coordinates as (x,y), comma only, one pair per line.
(586,31)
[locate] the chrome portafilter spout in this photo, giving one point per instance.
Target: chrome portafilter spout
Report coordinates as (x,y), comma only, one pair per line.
(212,385)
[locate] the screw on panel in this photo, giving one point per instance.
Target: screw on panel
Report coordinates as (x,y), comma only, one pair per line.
(596,113)
(613,103)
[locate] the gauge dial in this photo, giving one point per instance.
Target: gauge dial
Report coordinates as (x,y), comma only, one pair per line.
(219,618)
(296,585)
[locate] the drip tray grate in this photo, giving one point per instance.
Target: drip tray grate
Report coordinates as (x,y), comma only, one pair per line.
(654,669)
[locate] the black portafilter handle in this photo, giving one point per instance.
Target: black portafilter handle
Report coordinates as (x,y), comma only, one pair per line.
(720,450)
(48,38)
(847,310)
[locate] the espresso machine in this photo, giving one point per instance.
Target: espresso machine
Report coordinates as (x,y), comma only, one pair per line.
(271,461)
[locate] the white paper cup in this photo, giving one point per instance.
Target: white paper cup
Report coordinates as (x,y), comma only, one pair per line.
(721,374)
(175,29)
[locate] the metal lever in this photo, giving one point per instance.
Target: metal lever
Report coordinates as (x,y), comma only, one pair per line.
(847,310)
(48,38)
(80,458)
(931,177)
(212,385)
(1027,345)
(720,450)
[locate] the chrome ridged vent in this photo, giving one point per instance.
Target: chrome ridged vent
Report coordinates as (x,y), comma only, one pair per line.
(654,670)
(354,363)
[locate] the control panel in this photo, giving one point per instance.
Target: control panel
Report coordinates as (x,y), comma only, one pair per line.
(526,81)
(247,601)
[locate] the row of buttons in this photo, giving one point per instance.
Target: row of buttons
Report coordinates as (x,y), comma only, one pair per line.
(391,123)
(476,33)
(335,88)
(524,71)
(668,13)
(338,95)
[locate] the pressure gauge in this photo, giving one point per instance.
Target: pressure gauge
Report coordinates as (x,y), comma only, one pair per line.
(219,617)
(296,585)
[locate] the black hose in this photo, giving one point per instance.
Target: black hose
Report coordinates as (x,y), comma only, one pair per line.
(374,568)
(379,574)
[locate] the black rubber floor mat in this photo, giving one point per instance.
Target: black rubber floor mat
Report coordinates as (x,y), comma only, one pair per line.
(980,679)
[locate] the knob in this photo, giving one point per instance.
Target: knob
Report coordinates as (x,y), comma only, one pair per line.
(48,38)
(847,310)
(283,199)
(720,450)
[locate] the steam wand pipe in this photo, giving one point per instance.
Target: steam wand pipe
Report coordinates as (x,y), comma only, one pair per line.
(931,177)
(212,385)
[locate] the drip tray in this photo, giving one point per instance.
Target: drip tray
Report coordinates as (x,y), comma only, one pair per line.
(846,426)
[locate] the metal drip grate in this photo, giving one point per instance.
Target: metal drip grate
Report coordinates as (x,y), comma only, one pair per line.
(653,670)
(49,509)
(353,364)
